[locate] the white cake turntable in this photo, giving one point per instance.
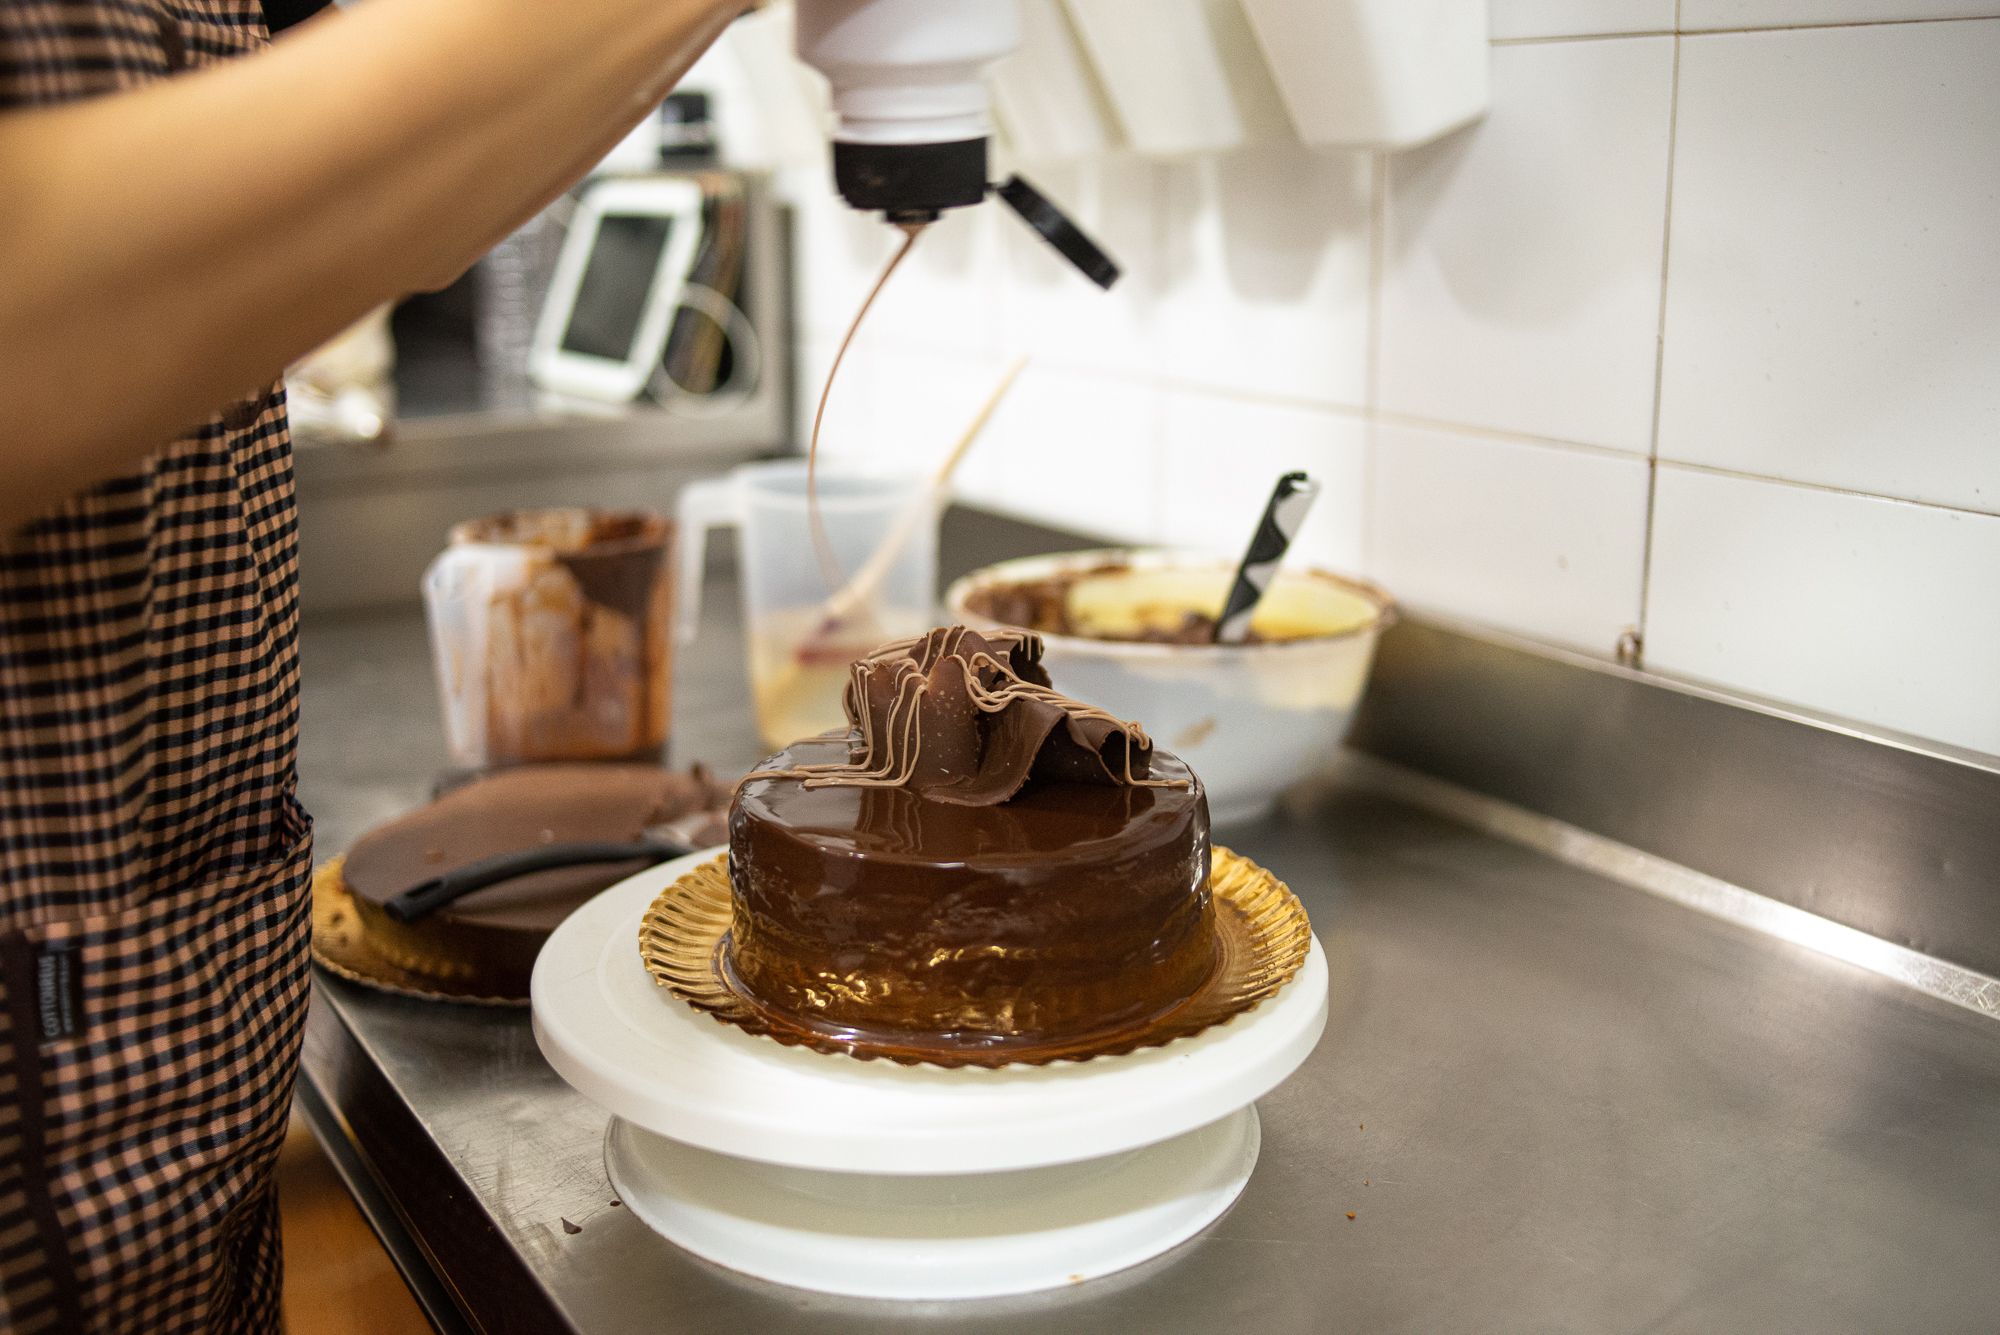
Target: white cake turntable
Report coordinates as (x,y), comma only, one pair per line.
(876,1180)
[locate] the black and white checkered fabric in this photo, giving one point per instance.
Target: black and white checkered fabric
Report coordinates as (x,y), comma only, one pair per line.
(154,864)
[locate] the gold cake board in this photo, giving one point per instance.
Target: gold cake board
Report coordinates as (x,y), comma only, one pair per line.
(343,947)
(1262,937)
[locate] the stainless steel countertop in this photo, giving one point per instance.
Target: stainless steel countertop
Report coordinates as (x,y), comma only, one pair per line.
(1552,1102)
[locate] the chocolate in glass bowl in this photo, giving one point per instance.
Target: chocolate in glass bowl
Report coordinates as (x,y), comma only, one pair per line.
(1046,605)
(1251,719)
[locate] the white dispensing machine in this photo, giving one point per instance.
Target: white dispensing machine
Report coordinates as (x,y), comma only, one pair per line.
(912,113)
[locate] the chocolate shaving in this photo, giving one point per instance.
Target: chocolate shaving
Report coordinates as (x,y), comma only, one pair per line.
(970,718)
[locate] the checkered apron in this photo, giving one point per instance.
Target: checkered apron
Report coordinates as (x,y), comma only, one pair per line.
(154,919)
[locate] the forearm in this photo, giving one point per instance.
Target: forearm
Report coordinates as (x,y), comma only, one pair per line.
(168,249)
(554,182)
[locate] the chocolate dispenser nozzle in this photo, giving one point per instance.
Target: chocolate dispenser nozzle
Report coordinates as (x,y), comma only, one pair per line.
(912,115)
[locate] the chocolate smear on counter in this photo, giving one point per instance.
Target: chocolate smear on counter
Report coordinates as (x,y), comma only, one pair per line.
(968,718)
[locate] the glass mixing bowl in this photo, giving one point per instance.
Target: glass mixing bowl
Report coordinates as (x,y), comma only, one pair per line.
(1250,719)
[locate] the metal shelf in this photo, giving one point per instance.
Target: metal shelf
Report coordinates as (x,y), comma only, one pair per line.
(373,515)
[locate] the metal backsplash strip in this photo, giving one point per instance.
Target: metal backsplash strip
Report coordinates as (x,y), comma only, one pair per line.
(1891,837)
(1669,880)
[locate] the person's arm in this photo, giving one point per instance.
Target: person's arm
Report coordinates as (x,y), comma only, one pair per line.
(166,250)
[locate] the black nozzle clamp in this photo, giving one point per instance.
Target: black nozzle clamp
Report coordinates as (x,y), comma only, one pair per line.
(914,183)
(1054,227)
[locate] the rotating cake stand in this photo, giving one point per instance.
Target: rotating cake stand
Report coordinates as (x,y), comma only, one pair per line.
(879,1180)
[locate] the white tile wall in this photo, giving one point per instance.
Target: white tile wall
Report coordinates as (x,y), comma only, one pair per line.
(1875,609)
(899,408)
(837,251)
(942,296)
(1698,14)
(1514,20)
(1048,309)
(1071,448)
(1540,539)
(947,301)
(1221,456)
(1268,300)
(1181,75)
(1522,289)
(1046,97)
(1471,361)
(1833,302)
(814,352)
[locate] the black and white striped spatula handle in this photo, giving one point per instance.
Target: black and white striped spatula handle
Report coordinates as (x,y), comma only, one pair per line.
(1290,500)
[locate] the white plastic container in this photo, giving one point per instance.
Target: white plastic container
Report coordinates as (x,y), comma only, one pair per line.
(907,71)
(1251,720)
(1382,74)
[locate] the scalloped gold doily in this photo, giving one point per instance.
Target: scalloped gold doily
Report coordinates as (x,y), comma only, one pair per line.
(341,945)
(1261,930)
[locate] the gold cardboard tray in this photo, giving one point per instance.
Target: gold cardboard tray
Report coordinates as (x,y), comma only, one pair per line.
(341,945)
(1262,938)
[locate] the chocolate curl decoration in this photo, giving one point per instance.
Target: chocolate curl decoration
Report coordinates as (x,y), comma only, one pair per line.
(969,718)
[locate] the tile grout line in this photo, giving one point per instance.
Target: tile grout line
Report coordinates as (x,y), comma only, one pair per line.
(1498,435)
(1560,38)
(1550,39)
(1371,390)
(1378,249)
(1660,346)
(1212,389)
(1772,480)
(1471,431)
(1850,23)
(1159,183)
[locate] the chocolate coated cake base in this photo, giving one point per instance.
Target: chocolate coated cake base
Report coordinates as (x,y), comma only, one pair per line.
(1071,910)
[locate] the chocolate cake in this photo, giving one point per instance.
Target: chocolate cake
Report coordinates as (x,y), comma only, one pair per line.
(980,859)
(489,939)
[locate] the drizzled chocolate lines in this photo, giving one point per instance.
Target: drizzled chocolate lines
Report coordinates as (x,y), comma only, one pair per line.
(887,751)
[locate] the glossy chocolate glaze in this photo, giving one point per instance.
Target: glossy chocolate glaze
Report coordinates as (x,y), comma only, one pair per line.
(493,935)
(1072,909)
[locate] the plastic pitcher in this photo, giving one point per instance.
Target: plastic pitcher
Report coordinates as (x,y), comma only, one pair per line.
(798,655)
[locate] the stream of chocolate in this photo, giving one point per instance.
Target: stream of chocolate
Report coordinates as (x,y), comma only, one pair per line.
(829,563)
(968,718)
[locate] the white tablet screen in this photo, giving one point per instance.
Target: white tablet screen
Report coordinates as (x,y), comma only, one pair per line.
(611,299)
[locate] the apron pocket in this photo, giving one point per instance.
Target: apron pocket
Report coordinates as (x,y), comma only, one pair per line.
(154,1051)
